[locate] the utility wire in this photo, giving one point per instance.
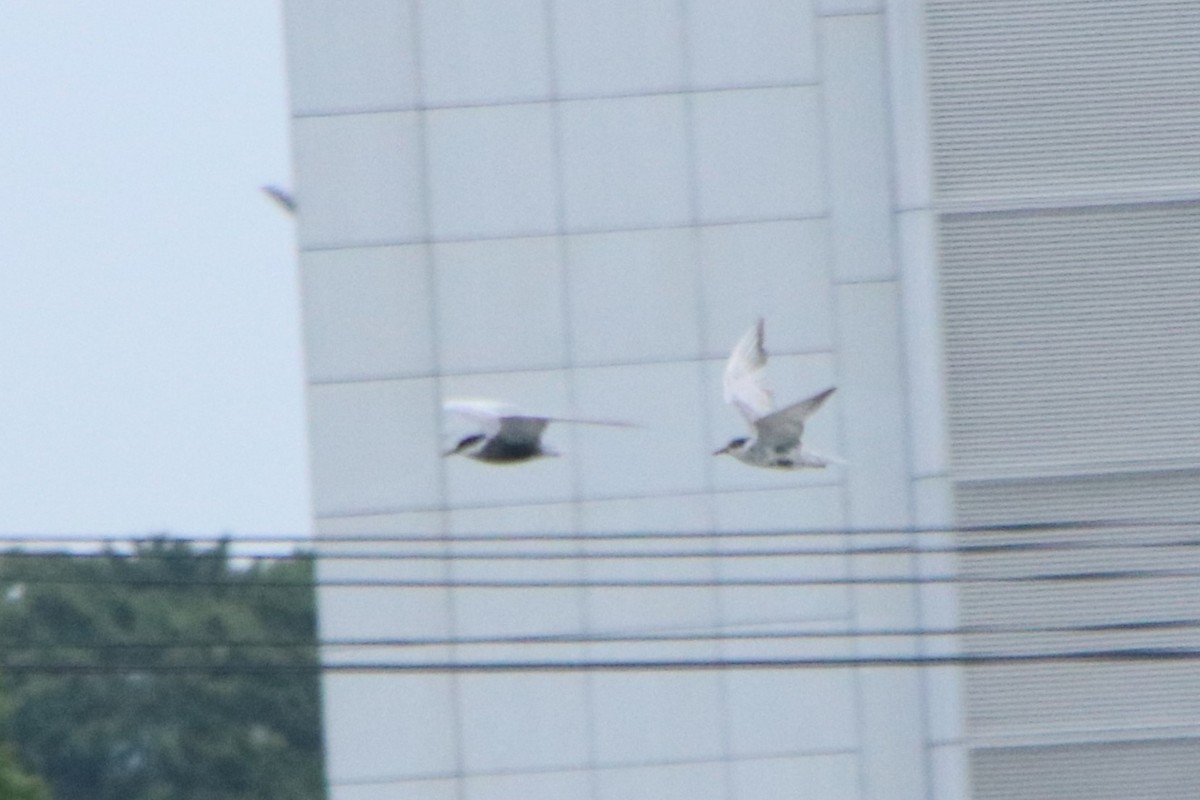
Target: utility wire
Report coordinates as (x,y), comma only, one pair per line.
(907,550)
(723,545)
(306,541)
(1115,575)
(1111,655)
(1174,547)
(628,637)
(448,553)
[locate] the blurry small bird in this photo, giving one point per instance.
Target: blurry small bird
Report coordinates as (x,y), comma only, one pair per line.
(776,442)
(508,436)
(282,197)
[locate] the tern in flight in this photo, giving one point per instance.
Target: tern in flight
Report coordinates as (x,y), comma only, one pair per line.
(776,442)
(281,196)
(507,436)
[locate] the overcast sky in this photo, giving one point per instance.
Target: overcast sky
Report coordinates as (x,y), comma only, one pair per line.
(150,364)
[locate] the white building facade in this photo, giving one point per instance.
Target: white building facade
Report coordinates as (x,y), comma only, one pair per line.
(578,208)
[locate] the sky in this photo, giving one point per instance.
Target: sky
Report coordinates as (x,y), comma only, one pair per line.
(150,359)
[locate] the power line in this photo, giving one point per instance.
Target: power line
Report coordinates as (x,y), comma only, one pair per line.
(448,553)
(303,540)
(1172,548)
(905,550)
(627,637)
(1113,655)
(1114,575)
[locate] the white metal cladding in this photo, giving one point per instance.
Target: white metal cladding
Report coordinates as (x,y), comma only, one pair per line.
(1072,347)
(1153,535)
(1145,770)
(1159,496)
(1045,100)
(1075,590)
(1071,344)
(1072,340)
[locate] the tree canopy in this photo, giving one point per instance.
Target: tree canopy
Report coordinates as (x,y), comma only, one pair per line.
(165,672)
(16,783)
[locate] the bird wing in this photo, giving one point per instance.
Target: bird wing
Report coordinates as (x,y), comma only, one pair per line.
(281,196)
(502,418)
(488,414)
(612,423)
(521,431)
(782,429)
(746,376)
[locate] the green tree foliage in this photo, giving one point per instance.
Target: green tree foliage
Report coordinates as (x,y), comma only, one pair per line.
(167,672)
(15,783)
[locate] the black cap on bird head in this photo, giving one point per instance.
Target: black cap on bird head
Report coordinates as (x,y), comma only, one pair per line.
(733,446)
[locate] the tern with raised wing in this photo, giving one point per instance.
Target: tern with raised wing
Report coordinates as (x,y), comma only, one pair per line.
(776,441)
(507,436)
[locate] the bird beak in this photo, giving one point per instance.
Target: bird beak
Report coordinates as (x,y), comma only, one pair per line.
(722,451)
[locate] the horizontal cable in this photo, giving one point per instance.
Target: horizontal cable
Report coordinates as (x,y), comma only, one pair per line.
(628,637)
(981,548)
(639,583)
(1114,655)
(307,541)
(887,549)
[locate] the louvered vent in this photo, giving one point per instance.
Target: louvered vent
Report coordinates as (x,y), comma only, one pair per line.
(1072,340)
(1045,101)
(1076,590)
(1066,148)
(1143,770)
(1151,496)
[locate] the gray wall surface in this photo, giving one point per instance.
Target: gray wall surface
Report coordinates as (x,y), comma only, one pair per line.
(578,208)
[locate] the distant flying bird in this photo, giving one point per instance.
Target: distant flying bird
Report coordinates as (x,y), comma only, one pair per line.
(776,442)
(508,436)
(282,197)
